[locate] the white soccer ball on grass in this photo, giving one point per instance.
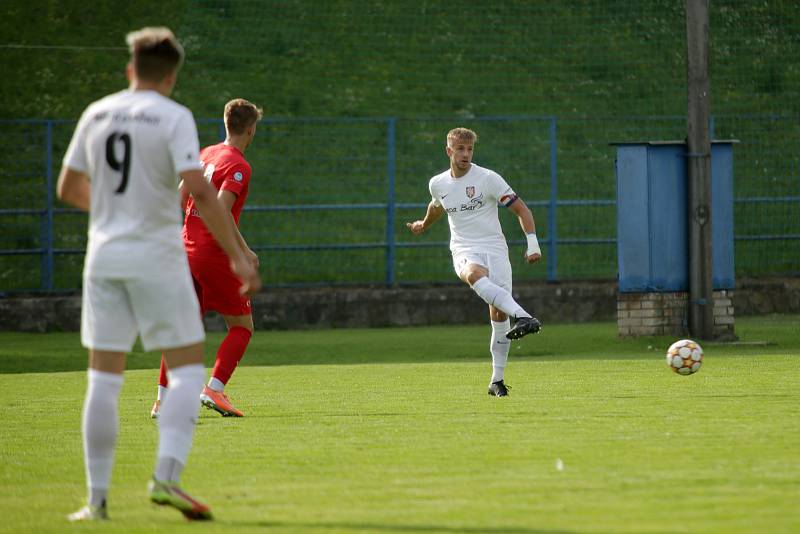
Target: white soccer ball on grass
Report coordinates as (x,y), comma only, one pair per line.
(685,357)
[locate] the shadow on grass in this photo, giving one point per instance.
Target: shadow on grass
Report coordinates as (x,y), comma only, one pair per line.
(59,352)
(376,527)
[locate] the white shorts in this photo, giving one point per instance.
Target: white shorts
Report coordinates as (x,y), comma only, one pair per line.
(163,310)
(496,263)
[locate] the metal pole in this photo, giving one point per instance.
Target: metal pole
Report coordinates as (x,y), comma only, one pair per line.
(47,271)
(701,291)
(552,231)
(391,200)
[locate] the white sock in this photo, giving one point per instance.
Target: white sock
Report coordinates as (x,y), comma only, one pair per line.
(216,384)
(100,428)
(498,297)
(162,392)
(177,419)
(499,347)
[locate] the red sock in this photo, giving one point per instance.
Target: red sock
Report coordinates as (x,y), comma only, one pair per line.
(162,378)
(230,352)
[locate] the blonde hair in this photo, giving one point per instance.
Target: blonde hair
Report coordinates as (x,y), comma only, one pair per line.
(155,53)
(240,114)
(461,134)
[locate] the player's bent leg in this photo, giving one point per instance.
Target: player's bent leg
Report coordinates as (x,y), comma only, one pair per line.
(230,353)
(170,494)
(163,383)
(244,320)
(176,422)
(180,356)
(492,294)
(219,402)
(524,326)
(472,272)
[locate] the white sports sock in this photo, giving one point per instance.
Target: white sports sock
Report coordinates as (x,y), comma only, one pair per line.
(216,384)
(498,297)
(100,428)
(168,469)
(499,347)
(162,392)
(177,419)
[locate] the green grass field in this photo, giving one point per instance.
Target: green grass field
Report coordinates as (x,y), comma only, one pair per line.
(391,430)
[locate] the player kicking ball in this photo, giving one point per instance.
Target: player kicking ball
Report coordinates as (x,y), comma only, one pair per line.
(217,286)
(470,195)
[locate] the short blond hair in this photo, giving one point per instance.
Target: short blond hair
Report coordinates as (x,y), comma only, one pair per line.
(461,134)
(240,114)
(155,53)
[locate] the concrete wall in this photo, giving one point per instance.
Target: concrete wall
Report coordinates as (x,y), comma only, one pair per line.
(577,301)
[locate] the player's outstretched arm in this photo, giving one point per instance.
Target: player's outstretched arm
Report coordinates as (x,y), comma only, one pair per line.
(222,228)
(74,188)
(533,253)
(432,215)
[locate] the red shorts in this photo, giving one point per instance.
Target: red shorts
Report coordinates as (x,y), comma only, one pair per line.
(217,287)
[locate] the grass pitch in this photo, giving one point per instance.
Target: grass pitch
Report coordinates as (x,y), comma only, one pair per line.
(392,431)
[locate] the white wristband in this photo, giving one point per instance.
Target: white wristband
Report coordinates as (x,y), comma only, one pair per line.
(533,245)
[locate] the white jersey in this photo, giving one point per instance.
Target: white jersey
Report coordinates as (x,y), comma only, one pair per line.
(133,145)
(471,205)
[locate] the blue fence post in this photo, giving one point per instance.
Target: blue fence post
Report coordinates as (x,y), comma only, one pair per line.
(47,241)
(552,233)
(391,169)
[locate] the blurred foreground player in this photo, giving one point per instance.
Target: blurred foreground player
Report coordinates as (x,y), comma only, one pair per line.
(121,167)
(217,286)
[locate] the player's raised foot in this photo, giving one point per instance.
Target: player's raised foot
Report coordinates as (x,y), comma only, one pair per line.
(169,494)
(217,400)
(90,513)
(498,389)
(155,409)
(524,326)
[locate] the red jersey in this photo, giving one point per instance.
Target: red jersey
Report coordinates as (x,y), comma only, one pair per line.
(227,170)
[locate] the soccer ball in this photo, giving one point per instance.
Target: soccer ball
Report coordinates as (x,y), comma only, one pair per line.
(685,357)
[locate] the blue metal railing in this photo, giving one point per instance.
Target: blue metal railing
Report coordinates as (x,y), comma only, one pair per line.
(47,250)
(47,268)
(552,226)
(391,201)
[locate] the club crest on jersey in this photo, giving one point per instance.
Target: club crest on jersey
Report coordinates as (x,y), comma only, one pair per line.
(238,176)
(470,191)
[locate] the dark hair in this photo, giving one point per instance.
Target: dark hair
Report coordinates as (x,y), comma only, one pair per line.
(155,53)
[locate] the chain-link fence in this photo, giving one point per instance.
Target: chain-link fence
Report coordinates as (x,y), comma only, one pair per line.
(547,86)
(334,212)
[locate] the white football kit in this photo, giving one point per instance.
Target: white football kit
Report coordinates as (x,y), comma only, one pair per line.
(475,233)
(136,279)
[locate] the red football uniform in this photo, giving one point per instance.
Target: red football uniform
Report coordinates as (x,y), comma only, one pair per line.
(217,287)
(227,170)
